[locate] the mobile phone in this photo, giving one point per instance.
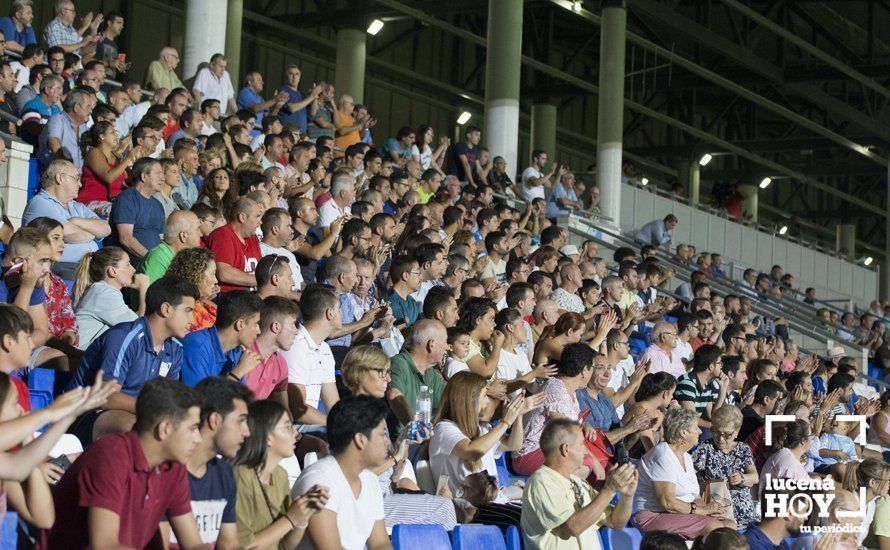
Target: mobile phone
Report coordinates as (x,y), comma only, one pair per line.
(443,481)
(62,461)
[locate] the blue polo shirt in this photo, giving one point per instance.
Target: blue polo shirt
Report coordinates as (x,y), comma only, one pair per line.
(298,117)
(409,309)
(44,204)
(602,411)
(13,34)
(41,107)
(393,145)
(145,214)
(125,353)
(203,356)
(246,98)
(8,295)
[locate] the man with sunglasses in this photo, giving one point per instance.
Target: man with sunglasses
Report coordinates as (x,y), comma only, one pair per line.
(561,510)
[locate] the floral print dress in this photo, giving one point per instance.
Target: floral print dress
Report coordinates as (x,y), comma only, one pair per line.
(711,463)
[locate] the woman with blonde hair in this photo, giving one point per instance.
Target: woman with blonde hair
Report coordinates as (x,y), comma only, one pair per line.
(464,443)
(197,266)
(365,371)
(99,301)
(724,458)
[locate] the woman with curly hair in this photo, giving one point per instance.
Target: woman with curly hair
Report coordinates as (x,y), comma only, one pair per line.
(218,191)
(476,318)
(197,266)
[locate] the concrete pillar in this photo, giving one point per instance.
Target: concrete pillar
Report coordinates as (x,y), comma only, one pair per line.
(233,41)
(610,109)
(544,130)
(693,188)
(846,238)
(14,179)
(349,73)
(502,70)
(203,20)
(749,203)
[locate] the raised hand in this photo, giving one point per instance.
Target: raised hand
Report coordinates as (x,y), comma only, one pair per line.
(249,361)
(532,402)
(513,409)
(545,371)
(622,478)
(497,389)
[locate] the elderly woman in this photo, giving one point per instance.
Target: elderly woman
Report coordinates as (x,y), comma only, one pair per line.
(667,497)
(366,372)
(724,458)
(197,266)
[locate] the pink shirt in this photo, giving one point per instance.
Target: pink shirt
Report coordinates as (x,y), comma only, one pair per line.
(268,377)
(663,361)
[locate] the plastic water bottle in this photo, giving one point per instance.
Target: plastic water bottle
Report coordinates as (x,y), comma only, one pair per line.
(420,428)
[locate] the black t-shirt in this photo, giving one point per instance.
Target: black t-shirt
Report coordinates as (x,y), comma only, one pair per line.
(751,422)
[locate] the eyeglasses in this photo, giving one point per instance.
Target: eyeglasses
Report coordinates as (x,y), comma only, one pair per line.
(76,178)
(382,373)
(287,428)
(722,435)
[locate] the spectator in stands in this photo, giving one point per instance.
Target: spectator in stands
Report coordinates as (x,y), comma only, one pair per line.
(703,389)
(138,217)
(265,513)
(191,122)
(359,444)
(346,123)
(558,504)
(476,318)
(535,183)
(766,401)
(465,154)
(161,72)
(422,151)
(60,184)
(562,199)
(565,295)
(180,232)
(499,179)
(405,275)
(134,353)
(277,233)
(186,193)
(414,367)
(16,27)
(60,137)
(104,172)
(249,98)
(98,486)
(668,494)
(687,329)
(657,232)
(197,266)
(210,108)
(9,103)
(107,50)
(236,246)
(224,428)
(213,82)
(294,111)
(61,32)
(603,415)
(98,296)
(225,348)
(46,103)
(278,327)
(55,59)
(461,445)
(32,56)
(723,457)
(659,355)
(790,443)
(574,369)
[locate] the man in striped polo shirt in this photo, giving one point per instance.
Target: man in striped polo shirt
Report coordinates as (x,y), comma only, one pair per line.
(704,388)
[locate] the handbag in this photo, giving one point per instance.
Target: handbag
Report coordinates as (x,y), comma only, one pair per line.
(600,446)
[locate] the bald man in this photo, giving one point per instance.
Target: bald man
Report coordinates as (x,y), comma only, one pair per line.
(546,313)
(162,71)
(181,230)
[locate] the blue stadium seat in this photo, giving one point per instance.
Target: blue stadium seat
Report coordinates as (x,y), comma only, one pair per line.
(428,537)
(9,534)
(505,475)
(628,538)
(473,537)
(514,538)
(41,384)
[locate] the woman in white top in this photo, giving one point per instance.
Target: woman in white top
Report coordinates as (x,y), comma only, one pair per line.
(871,474)
(513,365)
(422,150)
(365,371)
(99,302)
(462,444)
(667,497)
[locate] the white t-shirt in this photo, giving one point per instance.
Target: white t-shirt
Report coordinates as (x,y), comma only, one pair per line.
(454,366)
(355,516)
(683,350)
(294,266)
(425,157)
(212,87)
(621,377)
(446,435)
(310,365)
(661,464)
(536,192)
(329,212)
(511,366)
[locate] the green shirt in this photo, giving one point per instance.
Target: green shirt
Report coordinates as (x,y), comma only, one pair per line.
(252,506)
(155,263)
(408,380)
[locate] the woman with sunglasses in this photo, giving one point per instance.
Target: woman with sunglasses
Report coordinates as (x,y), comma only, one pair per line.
(267,517)
(365,371)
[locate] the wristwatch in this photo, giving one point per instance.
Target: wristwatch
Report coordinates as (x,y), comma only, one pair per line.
(692,507)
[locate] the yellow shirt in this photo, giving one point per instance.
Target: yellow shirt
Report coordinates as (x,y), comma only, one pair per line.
(548,501)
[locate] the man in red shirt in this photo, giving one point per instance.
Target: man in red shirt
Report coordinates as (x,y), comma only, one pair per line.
(123,485)
(236,246)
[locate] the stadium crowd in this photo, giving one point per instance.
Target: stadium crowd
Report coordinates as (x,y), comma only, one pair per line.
(225,284)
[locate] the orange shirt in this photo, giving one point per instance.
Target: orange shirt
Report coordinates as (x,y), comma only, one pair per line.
(344,141)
